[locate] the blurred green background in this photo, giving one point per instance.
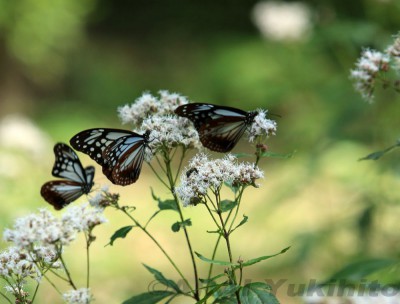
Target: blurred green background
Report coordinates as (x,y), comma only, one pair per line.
(66,65)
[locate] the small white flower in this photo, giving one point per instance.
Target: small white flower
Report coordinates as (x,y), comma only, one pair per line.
(148,105)
(42,229)
(80,296)
(368,66)
(83,217)
(203,174)
(262,126)
(170,131)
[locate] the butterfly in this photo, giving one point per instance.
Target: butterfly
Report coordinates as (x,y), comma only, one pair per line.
(119,152)
(78,180)
(219,127)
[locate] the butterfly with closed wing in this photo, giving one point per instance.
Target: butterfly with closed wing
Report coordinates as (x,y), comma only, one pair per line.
(219,127)
(77,180)
(119,152)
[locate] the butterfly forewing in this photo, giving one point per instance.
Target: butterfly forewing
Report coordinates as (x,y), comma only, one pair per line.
(78,181)
(126,157)
(93,142)
(119,152)
(219,127)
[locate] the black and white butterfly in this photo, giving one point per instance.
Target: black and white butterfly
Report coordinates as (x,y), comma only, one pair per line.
(77,180)
(219,127)
(119,152)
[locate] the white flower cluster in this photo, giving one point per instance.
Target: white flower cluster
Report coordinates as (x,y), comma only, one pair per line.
(170,131)
(203,174)
(394,52)
(44,229)
(167,130)
(148,105)
(79,296)
(14,262)
(367,69)
(262,126)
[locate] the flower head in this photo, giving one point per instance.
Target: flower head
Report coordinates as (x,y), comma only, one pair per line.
(79,296)
(203,174)
(261,126)
(83,217)
(148,105)
(367,69)
(170,131)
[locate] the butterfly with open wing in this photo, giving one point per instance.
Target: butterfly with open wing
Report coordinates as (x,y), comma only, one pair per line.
(219,127)
(119,152)
(78,180)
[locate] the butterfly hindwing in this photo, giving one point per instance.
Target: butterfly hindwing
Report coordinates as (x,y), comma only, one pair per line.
(78,180)
(219,127)
(119,152)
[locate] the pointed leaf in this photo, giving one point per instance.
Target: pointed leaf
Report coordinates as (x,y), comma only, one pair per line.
(257,293)
(225,294)
(223,263)
(242,222)
(152,297)
(259,259)
(378,154)
(227,205)
(120,233)
(163,280)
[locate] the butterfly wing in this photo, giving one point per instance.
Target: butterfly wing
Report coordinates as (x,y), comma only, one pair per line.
(60,193)
(125,159)
(78,181)
(93,142)
(119,152)
(67,164)
(219,127)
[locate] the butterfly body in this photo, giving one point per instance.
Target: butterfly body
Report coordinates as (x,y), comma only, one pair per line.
(77,180)
(219,127)
(119,152)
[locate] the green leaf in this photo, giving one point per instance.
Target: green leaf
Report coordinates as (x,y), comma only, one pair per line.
(209,294)
(120,233)
(358,270)
(178,225)
(163,280)
(277,155)
(226,294)
(242,222)
(378,154)
(257,293)
(256,260)
(169,204)
(233,188)
(227,205)
(203,258)
(152,297)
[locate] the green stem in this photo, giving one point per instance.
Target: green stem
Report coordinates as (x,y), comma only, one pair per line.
(5,297)
(159,246)
(212,257)
(171,180)
(67,272)
(87,237)
(35,293)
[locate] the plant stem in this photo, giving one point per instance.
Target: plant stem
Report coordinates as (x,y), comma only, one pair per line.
(5,297)
(158,245)
(87,237)
(171,180)
(212,265)
(67,272)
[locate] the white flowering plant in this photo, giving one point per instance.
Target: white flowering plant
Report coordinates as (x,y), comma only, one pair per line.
(378,69)
(39,240)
